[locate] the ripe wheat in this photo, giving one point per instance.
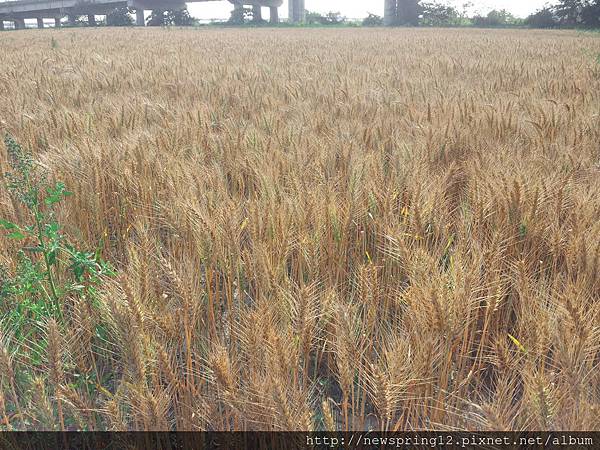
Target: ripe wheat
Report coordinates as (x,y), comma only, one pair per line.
(312,229)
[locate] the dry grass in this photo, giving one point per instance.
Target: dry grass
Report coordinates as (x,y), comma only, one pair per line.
(342,229)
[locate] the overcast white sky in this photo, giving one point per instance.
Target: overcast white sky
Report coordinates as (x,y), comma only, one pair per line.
(360,8)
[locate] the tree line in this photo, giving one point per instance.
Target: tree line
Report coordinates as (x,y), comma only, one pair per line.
(120,17)
(565,13)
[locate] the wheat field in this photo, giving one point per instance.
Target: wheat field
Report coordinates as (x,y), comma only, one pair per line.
(342,229)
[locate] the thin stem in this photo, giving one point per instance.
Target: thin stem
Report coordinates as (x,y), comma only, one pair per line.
(50,276)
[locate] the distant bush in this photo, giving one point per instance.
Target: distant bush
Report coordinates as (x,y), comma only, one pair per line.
(544,18)
(590,14)
(436,14)
(331,18)
(313,17)
(168,17)
(496,18)
(568,13)
(157,18)
(372,20)
(239,16)
(181,18)
(119,17)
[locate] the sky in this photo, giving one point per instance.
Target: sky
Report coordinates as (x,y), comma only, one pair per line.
(359,8)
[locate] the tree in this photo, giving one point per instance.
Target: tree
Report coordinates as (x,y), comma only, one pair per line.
(372,20)
(464,12)
(331,18)
(544,18)
(436,14)
(169,17)
(590,15)
(313,17)
(180,18)
(158,18)
(500,17)
(240,15)
(77,20)
(569,13)
(119,17)
(494,18)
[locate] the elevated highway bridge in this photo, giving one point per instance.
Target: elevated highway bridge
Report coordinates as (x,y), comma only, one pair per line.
(16,11)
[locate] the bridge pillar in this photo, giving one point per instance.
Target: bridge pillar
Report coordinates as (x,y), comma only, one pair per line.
(57,22)
(1,25)
(407,12)
(19,24)
(40,22)
(390,13)
(297,12)
(256,13)
(274,14)
(139,17)
(91,20)
(72,20)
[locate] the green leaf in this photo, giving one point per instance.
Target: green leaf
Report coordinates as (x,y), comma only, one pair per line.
(52,228)
(16,235)
(8,225)
(56,194)
(52,200)
(52,258)
(78,271)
